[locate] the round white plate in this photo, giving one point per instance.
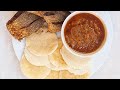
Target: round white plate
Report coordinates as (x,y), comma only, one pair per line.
(98,60)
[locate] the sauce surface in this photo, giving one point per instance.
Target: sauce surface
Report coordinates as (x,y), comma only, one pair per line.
(84,33)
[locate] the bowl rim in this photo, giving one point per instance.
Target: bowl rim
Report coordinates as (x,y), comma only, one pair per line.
(80,53)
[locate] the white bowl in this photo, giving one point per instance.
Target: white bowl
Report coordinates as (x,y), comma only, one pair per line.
(72,50)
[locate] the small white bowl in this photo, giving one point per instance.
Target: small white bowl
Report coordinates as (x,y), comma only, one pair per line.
(72,50)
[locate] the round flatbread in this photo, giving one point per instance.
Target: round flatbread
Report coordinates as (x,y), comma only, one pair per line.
(73,61)
(56,58)
(42,44)
(67,75)
(53,75)
(33,72)
(36,60)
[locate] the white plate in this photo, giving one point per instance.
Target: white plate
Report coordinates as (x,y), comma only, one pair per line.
(98,60)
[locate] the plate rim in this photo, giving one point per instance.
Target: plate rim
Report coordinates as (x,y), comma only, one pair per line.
(111,24)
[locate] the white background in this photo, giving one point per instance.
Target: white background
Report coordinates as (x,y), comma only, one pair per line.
(9,65)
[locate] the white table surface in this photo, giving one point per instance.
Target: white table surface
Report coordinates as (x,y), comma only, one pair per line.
(9,65)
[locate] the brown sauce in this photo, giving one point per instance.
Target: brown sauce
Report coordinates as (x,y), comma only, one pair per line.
(84,33)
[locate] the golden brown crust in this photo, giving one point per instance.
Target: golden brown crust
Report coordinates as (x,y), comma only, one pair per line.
(17,33)
(24,24)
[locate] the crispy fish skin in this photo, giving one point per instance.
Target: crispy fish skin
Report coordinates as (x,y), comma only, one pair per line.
(53,18)
(23,24)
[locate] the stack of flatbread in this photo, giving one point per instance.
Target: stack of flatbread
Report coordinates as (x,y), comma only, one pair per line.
(45,57)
